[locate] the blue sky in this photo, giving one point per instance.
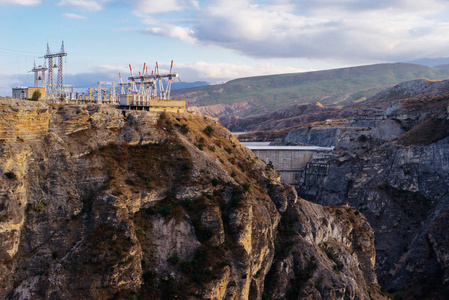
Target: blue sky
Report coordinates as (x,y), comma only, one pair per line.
(215,40)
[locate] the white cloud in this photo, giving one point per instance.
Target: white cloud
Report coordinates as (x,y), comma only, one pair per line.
(89,5)
(181,33)
(350,30)
(8,81)
(74,16)
(21,2)
(157,6)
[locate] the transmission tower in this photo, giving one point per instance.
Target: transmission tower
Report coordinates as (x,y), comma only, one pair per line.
(39,75)
(54,91)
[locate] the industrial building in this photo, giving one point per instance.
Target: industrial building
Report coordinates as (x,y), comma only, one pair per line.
(28,92)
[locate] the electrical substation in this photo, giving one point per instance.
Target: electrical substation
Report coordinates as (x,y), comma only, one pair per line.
(146,91)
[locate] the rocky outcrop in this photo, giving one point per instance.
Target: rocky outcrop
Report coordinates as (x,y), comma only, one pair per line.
(320,256)
(98,203)
(402,191)
(349,135)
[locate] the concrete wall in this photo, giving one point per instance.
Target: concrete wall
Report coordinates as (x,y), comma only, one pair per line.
(290,163)
(31,91)
(145,102)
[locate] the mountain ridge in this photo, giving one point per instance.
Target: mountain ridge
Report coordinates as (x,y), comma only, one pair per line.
(255,95)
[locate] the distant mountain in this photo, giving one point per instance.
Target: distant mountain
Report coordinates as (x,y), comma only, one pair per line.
(186,85)
(256,95)
(422,97)
(430,62)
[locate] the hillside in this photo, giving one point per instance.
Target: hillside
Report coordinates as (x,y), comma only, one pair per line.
(416,95)
(254,95)
(99,203)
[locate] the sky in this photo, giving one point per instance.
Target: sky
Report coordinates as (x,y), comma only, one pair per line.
(214,41)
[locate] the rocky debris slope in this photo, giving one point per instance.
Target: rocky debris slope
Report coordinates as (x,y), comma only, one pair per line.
(96,203)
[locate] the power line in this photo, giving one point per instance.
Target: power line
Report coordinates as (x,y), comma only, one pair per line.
(20,51)
(3,53)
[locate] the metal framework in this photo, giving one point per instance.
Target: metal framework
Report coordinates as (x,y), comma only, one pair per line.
(152,85)
(55,91)
(39,75)
(106,95)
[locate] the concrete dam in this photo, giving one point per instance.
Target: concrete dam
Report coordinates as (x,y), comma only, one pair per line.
(292,162)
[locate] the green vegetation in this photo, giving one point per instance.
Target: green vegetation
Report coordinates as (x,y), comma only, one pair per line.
(338,264)
(363,138)
(36,95)
(174,258)
(10,175)
(330,87)
(208,131)
(40,206)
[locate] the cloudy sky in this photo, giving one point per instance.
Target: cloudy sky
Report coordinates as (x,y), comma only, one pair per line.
(215,40)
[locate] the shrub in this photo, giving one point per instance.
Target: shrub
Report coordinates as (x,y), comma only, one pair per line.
(40,206)
(204,233)
(187,266)
(150,211)
(246,187)
(237,197)
(188,203)
(184,129)
(36,95)
(166,210)
(208,131)
(10,175)
(363,138)
(174,258)
(215,181)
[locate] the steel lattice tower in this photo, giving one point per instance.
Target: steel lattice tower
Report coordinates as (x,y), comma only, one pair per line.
(37,78)
(61,54)
(54,91)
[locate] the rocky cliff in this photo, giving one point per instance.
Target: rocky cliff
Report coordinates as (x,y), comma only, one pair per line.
(403,194)
(393,168)
(98,203)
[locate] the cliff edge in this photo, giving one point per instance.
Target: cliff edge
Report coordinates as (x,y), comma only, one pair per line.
(99,203)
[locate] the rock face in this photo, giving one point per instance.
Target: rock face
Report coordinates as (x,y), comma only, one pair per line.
(403,194)
(399,181)
(351,134)
(96,203)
